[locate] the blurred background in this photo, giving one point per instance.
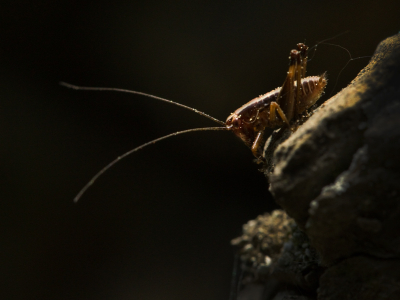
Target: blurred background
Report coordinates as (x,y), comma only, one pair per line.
(158,224)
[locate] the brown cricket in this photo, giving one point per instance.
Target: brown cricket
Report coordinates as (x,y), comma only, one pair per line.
(275,109)
(280,106)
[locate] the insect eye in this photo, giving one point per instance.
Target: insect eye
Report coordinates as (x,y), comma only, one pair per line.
(229,122)
(232,122)
(236,123)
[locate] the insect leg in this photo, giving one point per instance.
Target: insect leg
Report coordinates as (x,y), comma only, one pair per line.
(303,49)
(301,64)
(299,86)
(286,97)
(272,115)
(256,144)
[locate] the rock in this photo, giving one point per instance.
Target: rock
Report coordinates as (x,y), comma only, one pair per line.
(361,278)
(338,174)
(338,177)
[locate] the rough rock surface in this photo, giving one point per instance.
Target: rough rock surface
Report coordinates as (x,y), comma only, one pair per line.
(338,177)
(268,247)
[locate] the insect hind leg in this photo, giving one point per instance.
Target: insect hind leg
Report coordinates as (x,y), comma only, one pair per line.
(274,107)
(303,49)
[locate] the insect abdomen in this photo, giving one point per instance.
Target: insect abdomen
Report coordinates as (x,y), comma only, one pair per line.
(312,87)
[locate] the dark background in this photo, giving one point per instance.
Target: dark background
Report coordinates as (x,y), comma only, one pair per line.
(158,224)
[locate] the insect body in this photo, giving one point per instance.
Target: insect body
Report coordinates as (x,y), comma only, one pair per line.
(272,110)
(278,107)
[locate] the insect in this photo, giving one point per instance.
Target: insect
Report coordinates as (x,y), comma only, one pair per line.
(278,107)
(271,110)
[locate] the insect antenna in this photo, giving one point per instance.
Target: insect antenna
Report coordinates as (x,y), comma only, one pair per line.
(85,88)
(323,42)
(328,39)
(350,59)
(102,171)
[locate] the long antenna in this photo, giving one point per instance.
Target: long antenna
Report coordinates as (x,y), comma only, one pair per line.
(323,42)
(85,88)
(350,59)
(328,39)
(102,171)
